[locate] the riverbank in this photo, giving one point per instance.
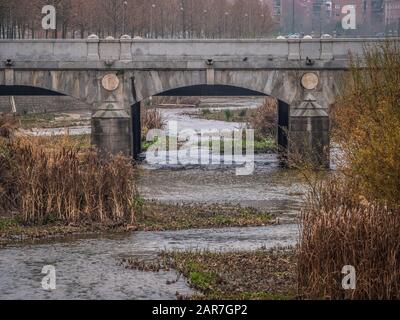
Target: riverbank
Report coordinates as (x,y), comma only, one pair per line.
(253,275)
(30,121)
(152,216)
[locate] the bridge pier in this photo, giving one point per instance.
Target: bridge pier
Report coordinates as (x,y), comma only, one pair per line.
(136,131)
(111,129)
(309,134)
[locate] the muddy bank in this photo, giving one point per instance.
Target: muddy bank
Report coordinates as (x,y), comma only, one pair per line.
(151,216)
(257,275)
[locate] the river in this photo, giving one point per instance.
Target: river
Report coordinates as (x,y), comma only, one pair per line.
(88,268)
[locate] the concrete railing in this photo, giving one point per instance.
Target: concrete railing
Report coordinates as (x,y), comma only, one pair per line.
(165,50)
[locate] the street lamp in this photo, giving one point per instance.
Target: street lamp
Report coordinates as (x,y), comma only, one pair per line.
(262,16)
(151,19)
(183,21)
(125,5)
(247,16)
(293,24)
(226,23)
(205,11)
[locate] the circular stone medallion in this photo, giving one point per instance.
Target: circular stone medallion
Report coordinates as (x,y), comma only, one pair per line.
(110,82)
(309,81)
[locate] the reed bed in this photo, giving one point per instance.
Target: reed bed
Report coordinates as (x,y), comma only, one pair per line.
(264,119)
(339,229)
(151,119)
(8,125)
(353,218)
(41,184)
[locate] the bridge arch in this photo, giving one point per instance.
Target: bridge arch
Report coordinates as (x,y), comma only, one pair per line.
(282,84)
(115,130)
(283,109)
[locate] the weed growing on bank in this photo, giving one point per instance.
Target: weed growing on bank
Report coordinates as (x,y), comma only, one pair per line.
(353,218)
(46,182)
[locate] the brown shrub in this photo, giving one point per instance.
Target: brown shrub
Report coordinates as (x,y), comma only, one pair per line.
(341,228)
(63,184)
(8,125)
(264,119)
(353,218)
(367,124)
(150,119)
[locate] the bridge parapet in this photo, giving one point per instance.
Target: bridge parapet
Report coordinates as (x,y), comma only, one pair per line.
(244,52)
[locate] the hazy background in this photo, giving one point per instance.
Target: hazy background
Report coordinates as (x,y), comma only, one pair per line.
(198,18)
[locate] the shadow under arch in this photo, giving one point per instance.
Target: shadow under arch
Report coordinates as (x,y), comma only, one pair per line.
(27,91)
(212,91)
(67,102)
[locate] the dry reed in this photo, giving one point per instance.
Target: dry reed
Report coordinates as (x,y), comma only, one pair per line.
(264,120)
(151,119)
(341,228)
(353,218)
(64,184)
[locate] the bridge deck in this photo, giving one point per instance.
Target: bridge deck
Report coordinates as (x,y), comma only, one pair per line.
(180,54)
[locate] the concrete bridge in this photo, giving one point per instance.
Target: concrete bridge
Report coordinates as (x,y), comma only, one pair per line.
(114,76)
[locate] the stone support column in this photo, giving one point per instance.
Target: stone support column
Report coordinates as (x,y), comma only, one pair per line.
(309,136)
(111,122)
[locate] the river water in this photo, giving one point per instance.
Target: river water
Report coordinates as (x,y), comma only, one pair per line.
(88,268)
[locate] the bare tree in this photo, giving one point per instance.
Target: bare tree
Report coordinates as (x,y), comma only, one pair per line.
(146,18)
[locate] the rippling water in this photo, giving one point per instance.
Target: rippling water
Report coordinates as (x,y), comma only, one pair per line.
(87,267)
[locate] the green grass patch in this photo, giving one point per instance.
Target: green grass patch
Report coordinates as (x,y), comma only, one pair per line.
(255,275)
(259,275)
(228,115)
(7,224)
(32,120)
(156,216)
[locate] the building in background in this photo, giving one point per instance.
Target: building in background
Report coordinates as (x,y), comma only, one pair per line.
(293,15)
(322,16)
(392,16)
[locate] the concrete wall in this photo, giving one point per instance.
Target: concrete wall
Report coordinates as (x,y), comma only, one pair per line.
(140,50)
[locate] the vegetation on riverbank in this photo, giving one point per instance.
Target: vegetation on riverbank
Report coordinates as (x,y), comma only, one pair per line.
(150,118)
(155,216)
(43,182)
(262,119)
(228,115)
(149,216)
(353,218)
(51,120)
(257,275)
(12,231)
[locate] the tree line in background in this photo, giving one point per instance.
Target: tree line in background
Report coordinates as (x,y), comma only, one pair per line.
(148,19)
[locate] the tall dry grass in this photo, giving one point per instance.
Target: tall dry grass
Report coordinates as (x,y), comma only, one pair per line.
(150,119)
(341,228)
(8,125)
(264,119)
(65,184)
(353,218)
